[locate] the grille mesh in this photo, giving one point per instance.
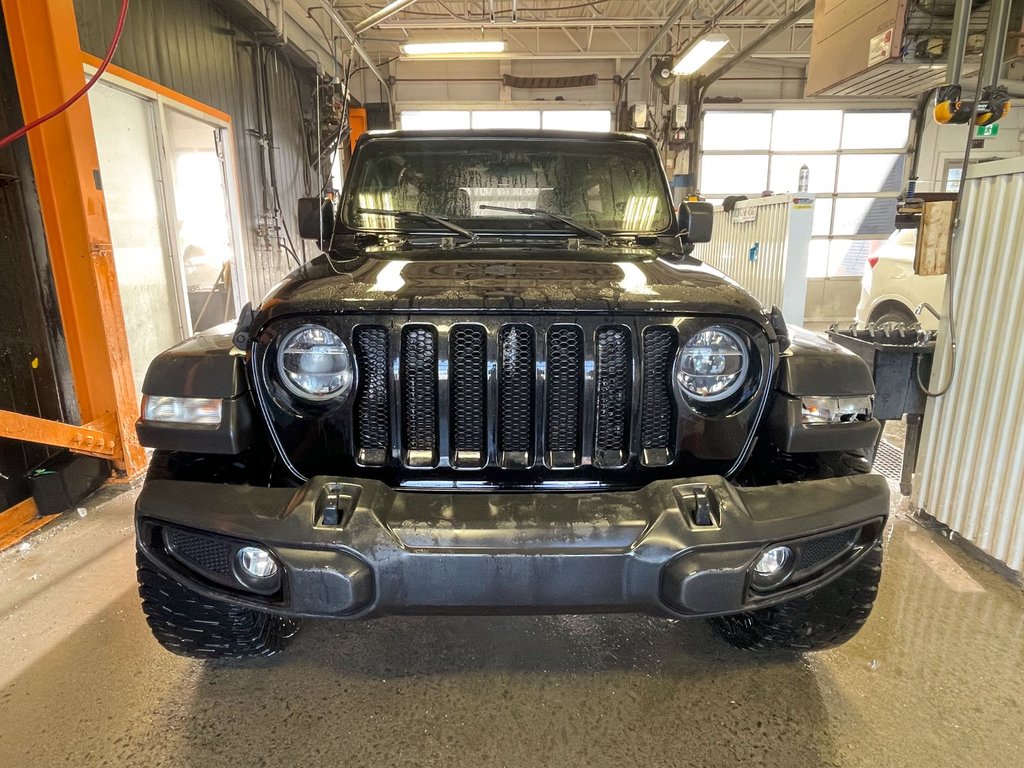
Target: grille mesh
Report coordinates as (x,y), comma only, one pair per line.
(822,549)
(614,377)
(372,409)
(419,388)
(206,552)
(564,395)
(515,388)
(657,413)
(468,387)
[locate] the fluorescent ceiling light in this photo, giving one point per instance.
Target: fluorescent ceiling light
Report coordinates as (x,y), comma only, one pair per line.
(463,48)
(700,53)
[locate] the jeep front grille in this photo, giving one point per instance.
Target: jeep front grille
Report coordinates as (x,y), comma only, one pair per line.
(515,395)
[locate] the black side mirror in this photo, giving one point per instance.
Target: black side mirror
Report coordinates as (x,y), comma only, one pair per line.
(695,221)
(316,219)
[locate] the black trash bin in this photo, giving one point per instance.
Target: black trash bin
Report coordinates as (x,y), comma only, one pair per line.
(897,356)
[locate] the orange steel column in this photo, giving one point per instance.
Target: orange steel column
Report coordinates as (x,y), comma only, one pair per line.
(48,67)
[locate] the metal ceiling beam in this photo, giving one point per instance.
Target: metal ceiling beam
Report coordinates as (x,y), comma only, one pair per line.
(386,12)
(586,56)
(578,22)
(357,46)
(679,10)
(757,43)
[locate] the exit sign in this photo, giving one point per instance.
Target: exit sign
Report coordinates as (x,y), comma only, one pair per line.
(988,131)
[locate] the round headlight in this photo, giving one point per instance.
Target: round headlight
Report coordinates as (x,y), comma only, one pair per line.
(712,365)
(315,364)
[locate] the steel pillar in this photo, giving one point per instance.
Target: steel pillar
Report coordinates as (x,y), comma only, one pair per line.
(47,60)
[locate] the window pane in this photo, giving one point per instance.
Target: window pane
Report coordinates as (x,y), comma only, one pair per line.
(733,174)
(737,130)
(817,258)
(578,120)
(204,223)
(506,118)
(785,175)
(806,129)
(428,120)
(848,258)
(865,216)
(875,130)
(822,217)
(870,173)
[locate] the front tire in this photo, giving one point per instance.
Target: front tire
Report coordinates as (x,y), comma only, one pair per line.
(826,618)
(189,624)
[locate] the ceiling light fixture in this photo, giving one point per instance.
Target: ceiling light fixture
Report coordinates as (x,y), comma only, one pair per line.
(700,53)
(460,48)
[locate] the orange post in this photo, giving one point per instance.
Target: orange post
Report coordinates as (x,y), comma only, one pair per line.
(48,67)
(357,120)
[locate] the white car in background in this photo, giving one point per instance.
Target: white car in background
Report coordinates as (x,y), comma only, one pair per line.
(891,290)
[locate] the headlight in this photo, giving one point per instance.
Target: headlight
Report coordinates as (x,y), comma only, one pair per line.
(182,410)
(315,364)
(835,410)
(712,365)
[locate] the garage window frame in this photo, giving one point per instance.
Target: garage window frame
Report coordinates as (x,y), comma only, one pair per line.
(824,237)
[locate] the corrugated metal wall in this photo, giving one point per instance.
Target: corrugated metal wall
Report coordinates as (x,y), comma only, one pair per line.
(195,48)
(971,467)
(763,245)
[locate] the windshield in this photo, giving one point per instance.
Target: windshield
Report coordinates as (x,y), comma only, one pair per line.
(610,186)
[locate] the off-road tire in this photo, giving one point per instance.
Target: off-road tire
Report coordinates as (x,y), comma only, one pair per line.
(189,624)
(827,617)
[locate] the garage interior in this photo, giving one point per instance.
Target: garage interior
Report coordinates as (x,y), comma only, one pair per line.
(866,163)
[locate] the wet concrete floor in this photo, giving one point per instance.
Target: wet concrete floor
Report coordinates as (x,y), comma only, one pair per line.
(936,678)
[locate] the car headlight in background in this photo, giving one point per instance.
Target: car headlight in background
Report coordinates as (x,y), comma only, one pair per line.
(203,411)
(835,410)
(315,364)
(713,364)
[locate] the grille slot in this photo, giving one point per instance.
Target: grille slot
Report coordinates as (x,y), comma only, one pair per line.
(517,370)
(203,552)
(468,388)
(614,393)
(419,396)
(481,395)
(563,430)
(372,407)
(657,409)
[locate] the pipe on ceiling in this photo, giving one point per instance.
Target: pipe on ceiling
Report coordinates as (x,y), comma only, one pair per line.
(386,12)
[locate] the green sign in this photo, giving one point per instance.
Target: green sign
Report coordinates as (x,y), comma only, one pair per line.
(988,131)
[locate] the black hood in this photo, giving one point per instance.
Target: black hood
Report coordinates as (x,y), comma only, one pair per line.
(607,280)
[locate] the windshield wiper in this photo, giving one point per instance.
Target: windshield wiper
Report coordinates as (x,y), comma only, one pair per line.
(421,215)
(582,229)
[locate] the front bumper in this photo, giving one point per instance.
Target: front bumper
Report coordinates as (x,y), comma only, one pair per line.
(356,548)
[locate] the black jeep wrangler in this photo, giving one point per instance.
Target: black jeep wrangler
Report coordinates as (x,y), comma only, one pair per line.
(507,387)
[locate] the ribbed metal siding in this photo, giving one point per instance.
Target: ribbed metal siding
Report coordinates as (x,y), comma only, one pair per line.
(194,48)
(763,245)
(972,457)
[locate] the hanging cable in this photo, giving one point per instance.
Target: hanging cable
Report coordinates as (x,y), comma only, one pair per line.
(83,90)
(954,239)
(271,156)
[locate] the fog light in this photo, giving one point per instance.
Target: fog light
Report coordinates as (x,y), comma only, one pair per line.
(773,566)
(257,562)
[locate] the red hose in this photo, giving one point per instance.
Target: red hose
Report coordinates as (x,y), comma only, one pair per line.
(84,90)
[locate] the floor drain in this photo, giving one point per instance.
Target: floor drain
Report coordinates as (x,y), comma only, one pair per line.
(889,460)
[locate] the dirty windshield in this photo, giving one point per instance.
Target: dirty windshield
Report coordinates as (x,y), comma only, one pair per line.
(609,186)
